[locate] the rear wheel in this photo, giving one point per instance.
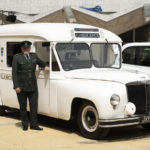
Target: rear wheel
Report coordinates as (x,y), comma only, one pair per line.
(146,126)
(2,110)
(88,122)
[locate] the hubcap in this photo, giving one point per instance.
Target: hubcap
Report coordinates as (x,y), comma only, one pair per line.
(90,118)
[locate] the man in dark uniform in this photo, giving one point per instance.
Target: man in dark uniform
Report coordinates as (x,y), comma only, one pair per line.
(25,84)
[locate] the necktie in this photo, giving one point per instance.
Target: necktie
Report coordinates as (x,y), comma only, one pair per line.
(27,56)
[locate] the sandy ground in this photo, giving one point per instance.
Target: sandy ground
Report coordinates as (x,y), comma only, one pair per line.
(58,134)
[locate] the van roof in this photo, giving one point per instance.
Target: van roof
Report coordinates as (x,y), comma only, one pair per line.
(55,32)
(135,44)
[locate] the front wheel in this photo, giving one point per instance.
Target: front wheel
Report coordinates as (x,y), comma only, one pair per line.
(88,122)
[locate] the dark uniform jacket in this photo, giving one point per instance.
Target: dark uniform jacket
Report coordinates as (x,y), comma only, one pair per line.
(23,71)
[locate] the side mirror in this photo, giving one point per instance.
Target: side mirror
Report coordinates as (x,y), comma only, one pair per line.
(45,44)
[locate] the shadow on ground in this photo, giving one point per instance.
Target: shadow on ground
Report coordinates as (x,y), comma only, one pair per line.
(127,133)
(115,134)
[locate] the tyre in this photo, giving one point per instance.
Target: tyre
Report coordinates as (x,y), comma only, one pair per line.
(88,122)
(2,110)
(146,126)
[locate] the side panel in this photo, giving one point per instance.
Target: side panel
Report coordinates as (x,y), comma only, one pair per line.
(43,92)
(53,99)
(8,95)
(98,92)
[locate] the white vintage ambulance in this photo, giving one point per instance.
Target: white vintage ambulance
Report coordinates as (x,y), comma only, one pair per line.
(85,82)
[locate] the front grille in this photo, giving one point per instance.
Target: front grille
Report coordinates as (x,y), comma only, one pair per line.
(140,96)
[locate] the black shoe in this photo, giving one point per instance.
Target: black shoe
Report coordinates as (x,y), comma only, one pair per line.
(25,128)
(36,128)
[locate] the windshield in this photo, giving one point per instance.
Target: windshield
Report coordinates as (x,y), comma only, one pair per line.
(80,55)
(106,55)
(74,55)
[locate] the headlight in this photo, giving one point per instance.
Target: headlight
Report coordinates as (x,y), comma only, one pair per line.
(115,100)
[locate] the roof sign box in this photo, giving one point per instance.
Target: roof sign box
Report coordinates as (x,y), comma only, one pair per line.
(87,35)
(87,29)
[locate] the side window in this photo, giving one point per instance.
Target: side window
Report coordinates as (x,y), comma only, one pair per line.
(55,66)
(42,52)
(12,49)
(129,55)
(144,56)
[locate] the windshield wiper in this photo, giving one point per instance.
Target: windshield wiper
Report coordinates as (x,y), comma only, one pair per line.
(109,44)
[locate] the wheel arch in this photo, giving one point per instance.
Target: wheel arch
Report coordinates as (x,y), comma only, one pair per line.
(76,103)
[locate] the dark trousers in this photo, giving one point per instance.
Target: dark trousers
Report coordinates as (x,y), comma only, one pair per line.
(33,103)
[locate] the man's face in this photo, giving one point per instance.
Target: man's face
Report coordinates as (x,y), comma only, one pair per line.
(25,50)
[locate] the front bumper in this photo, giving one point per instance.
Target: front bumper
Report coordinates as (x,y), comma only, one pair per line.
(119,122)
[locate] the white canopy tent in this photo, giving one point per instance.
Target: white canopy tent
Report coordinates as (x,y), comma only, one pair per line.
(117,16)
